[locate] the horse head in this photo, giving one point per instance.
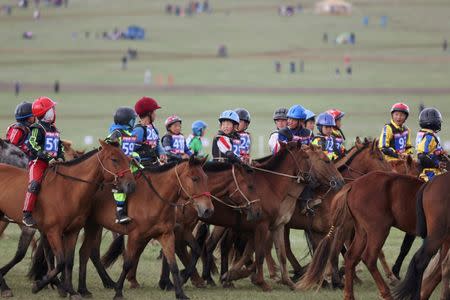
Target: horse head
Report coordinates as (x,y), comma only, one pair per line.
(12,155)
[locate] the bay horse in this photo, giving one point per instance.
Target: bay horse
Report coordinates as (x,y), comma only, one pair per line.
(279,182)
(230,185)
(372,204)
(60,221)
(433,225)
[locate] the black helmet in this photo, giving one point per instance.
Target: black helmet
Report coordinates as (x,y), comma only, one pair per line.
(280,114)
(23,111)
(430,118)
(243,114)
(125,116)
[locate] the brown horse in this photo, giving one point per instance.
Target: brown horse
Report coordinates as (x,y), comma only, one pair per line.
(361,159)
(433,224)
(60,221)
(230,185)
(373,204)
(277,183)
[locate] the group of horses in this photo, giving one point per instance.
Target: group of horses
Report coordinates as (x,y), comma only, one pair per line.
(356,200)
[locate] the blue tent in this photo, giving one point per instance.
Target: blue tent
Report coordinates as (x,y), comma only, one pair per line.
(135,33)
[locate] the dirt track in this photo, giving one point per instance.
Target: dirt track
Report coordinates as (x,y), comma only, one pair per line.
(217,89)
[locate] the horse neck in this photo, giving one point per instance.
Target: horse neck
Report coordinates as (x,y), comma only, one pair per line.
(166,184)
(218,182)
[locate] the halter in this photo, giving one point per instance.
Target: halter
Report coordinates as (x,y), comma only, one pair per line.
(238,189)
(349,161)
(117,175)
(302,176)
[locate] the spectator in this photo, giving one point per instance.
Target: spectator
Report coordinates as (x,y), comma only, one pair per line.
(445,45)
(223,51)
(349,70)
(352,38)
(302,66)
(277,67)
(325,37)
(292,66)
(17,88)
(124,62)
(56,87)
(147,77)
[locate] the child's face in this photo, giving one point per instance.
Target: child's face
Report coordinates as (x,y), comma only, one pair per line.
(242,126)
(227,127)
(203,133)
(281,123)
(310,125)
(293,123)
(175,128)
(152,116)
(31,120)
(327,130)
(399,117)
(338,123)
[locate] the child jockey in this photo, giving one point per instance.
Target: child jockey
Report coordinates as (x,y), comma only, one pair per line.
(246,141)
(147,137)
(174,143)
(226,144)
(17,133)
(121,133)
(45,148)
(326,140)
(432,157)
(195,139)
(337,130)
(295,131)
(395,138)
(310,121)
(280,119)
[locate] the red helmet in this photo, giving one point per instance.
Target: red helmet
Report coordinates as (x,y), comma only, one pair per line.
(41,105)
(400,107)
(336,113)
(146,105)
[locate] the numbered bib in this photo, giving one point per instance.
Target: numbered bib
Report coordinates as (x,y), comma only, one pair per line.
(52,143)
(245,143)
(329,145)
(236,144)
(400,140)
(128,143)
(152,137)
(178,144)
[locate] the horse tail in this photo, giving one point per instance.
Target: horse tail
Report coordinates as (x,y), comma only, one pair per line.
(421,222)
(116,248)
(39,267)
(317,266)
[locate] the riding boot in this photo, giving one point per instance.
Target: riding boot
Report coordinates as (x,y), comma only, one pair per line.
(30,200)
(305,197)
(121,216)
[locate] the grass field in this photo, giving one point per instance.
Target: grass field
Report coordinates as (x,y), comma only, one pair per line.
(403,61)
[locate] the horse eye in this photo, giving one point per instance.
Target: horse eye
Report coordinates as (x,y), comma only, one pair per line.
(195,178)
(251,187)
(114,160)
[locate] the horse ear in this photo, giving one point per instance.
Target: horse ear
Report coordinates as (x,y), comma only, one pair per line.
(409,160)
(192,160)
(2,143)
(103,144)
(358,140)
(204,160)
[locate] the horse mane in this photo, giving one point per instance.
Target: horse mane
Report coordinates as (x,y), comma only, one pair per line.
(167,166)
(215,166)
(80,159)
(345,161)
(272,161)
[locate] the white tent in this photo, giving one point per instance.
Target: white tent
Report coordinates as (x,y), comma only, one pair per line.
(333,7)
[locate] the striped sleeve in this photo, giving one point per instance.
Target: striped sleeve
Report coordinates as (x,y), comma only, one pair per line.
(224,144)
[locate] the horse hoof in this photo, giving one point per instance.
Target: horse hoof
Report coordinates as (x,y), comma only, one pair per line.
(227,285)
(182,297)
(135,285)
(118,297)
(85,294)
(199,284)
(7,294)
(265,287)
(75,297)
(211,282)
(62,292)
(166,285)
(35,288)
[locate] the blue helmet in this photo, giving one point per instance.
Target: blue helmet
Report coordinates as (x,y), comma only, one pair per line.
(325,119)
(229,115)
(296,112)
(309,114)
(198,127)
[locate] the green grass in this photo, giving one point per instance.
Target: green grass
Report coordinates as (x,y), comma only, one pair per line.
(406,54)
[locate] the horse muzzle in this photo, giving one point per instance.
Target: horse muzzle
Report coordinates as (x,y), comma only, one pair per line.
(336,183)
(129,187)
(204,211)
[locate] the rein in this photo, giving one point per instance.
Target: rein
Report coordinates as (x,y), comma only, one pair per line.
(238,189)
(346,165)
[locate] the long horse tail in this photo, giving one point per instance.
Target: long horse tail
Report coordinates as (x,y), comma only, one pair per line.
(39,267)
(421,222)
(317,266)
(116,248)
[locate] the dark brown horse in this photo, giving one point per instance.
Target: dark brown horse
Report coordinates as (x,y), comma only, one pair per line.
(278,185)
(433,225)
(372,204)
(64,201)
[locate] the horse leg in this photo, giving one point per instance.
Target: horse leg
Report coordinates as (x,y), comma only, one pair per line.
(211,244)
(260,240)
(54,239)
(387,271)
(167,242)
(352,258)
(370,256)
(278,235)
(108,282)
(25,239)
(70,242)
(190,262)
(298,269)
(3,226)
(133,244)
(271,264)
(236,272)
(131,276)
(445,293)
(407,243)
(164,281)
(225,247)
